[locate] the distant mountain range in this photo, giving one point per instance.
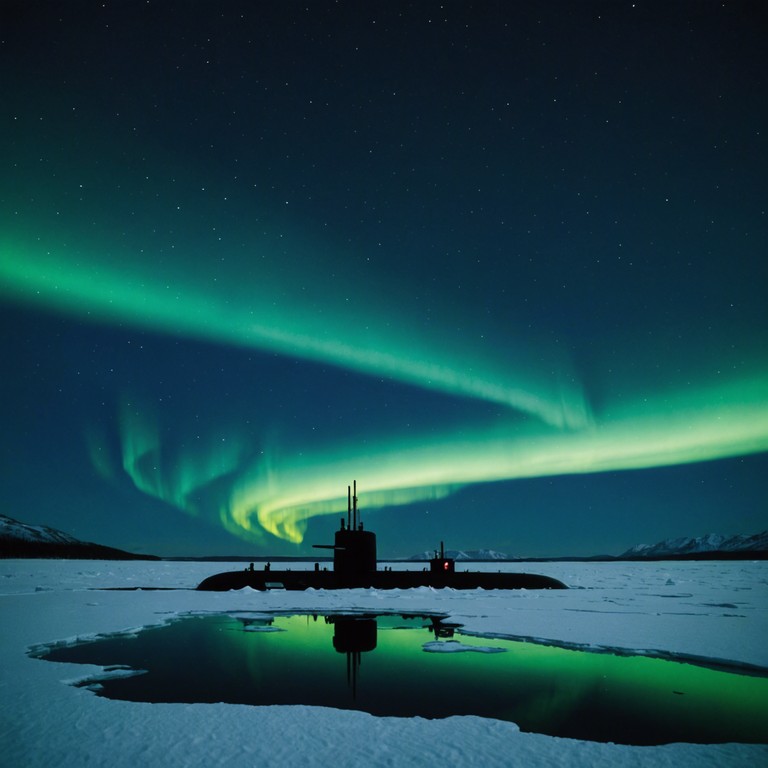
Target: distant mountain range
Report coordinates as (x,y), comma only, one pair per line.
(711,545)
(22,540)
(39,541)
(470,554)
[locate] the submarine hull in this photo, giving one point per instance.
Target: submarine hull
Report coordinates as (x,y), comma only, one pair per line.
(355,567)
(300,580)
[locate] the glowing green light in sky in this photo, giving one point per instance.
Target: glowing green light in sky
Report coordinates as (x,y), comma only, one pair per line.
(341,325)
(279,497)
(719,422)
(715,419)
(185,482)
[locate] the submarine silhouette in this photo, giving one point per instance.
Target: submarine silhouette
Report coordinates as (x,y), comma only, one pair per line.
(355,566)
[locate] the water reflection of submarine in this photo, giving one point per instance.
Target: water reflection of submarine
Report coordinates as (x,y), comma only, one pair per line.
(352,634)
(356,635)
(359,634)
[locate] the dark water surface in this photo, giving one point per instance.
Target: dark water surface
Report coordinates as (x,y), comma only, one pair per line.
(393,666)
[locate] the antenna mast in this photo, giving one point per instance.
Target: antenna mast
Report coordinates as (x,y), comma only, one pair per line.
(354,506)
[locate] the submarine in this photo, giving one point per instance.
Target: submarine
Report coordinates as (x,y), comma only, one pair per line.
(355,567)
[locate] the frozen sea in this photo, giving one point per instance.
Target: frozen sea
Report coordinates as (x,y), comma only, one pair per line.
(700,611)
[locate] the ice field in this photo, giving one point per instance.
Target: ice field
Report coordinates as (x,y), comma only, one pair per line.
(709,611)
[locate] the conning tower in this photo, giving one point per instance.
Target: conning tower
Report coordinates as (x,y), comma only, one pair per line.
(354,549)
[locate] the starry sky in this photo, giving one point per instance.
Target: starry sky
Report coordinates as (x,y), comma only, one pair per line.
(503,263)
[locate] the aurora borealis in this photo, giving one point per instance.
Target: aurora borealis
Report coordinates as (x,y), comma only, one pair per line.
(495,261)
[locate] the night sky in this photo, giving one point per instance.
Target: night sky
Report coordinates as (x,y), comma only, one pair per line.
(503,263)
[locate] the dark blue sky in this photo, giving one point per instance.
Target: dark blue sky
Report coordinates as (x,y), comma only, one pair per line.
(504,264)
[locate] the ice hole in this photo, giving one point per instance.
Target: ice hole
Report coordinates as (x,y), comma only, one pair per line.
(391,665)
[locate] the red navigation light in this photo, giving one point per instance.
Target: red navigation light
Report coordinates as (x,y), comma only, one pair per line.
(445,565)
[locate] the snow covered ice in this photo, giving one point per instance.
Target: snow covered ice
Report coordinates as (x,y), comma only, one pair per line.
(454,646)
(700,610)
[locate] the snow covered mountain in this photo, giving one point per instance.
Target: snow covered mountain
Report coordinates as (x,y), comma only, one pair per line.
(470,554)
(22,540)
(711,542)
(37,534)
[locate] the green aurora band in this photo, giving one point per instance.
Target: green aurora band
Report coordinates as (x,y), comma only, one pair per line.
(280,501)
(277,493)
(279,496)
(343,328)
